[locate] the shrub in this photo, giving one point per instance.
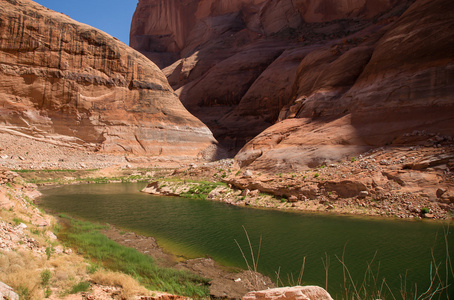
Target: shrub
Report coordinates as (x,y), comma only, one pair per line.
(82,286)
(47,292)
(23,292)
(17,221)
(49,251)
(45,277)
(425,210)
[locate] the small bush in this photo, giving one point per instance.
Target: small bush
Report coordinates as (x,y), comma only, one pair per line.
(425,210)
(82,286)
(47,292)
(316,175)
(23,292)
(45,277)
(17,221)
(49,251)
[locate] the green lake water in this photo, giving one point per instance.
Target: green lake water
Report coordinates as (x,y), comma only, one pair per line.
(197,228)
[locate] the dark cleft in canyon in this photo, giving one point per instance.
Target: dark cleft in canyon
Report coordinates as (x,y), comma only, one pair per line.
(301,83)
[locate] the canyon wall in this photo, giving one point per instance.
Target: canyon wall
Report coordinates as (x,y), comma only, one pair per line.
(391,88)
(233,63)
(318,80)
(73,84)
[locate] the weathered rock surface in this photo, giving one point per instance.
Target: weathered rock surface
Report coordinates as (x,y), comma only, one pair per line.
(242,66)
(290,293)
(379,182)
(6,292)
(69,83)
(336,78)
(352,97)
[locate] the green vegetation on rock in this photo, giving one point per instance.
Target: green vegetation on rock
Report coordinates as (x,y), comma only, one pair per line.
(201,190)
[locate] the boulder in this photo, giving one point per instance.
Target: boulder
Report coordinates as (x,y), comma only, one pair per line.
(7,292)
(290,293)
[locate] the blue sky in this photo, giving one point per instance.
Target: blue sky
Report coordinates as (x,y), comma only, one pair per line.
(111,16)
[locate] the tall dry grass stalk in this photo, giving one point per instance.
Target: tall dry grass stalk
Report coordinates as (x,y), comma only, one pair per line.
(255,261)
(373,285)
(326,264)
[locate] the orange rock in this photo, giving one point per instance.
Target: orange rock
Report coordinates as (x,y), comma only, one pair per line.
(234,63)
(368,96)
(290,293)
(67,81)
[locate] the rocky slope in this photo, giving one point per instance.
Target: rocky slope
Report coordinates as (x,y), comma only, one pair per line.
(399,182)
(35,265)
(66,83)
(336,78)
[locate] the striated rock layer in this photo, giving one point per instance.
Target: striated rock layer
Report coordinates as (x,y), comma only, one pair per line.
(71,84)
(360,95)
(234,62)
(316,80)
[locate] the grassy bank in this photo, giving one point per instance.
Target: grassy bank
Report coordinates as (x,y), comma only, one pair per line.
(86,238)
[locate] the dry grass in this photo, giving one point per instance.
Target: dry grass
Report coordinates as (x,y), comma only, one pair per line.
(21,271)
(67,270)
(129,286)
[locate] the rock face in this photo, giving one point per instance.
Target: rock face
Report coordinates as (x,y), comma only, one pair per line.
(237,65)
(65,81)
(318,80)
(7,292)
(353,96)
(290,293)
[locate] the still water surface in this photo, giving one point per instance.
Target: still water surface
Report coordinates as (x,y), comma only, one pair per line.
(195,228)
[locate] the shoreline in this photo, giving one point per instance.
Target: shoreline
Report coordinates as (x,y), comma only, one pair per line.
(392,181)
(232,190)
(127,237)
(225,281)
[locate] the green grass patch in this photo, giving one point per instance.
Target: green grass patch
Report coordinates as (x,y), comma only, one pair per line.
(201,190)
(17,221)
(80,287)
(87,239)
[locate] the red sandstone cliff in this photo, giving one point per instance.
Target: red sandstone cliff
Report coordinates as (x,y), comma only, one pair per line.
(367,93)
(335,77)
(72,83)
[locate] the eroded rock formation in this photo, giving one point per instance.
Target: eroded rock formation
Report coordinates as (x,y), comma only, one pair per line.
(68,82)
(235,65)
(367,92)
(335,77)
